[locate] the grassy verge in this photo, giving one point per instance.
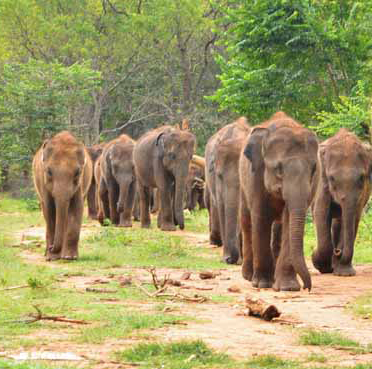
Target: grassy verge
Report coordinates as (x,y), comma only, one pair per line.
(332,339)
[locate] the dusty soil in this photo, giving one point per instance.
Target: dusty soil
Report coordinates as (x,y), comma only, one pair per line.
(222,325)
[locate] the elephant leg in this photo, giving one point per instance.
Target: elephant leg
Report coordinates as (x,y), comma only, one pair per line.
(126,215)
(91,200)
(339,268)
(49,212)
(136,209)
(165,215)
(276,238)
(104,209)
(156,201)
(144,195)
(75,218)
(113,193)
(285,275)
(322,256)
(336,233)
(246,230)
(214,227)
(263,265)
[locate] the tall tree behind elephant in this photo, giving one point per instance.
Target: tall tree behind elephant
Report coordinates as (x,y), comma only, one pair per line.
(118,180)
(162,157)
(62,171)
(278,178)
(94,151)
(343,191)
(222,184)
(195,183)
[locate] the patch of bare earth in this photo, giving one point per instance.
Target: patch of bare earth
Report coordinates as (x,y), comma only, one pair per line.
(221,324)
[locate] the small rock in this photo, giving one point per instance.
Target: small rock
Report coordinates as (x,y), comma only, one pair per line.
(234,289)
(207,275)
(125,281)
(174,282)
(185,276)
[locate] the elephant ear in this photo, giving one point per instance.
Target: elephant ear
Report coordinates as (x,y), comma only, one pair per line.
(322,161)
(160,144)
(368,150)
(46,151)
(253,149)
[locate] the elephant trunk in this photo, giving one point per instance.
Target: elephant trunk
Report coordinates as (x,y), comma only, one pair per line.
(123,195)
(180,184)
(348,234)
(297,226)
(61,224)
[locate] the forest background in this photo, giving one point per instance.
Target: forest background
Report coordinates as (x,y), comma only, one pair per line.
(100,68)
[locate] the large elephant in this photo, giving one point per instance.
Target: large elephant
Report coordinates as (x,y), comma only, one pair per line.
(118,180)
(62,171)
(344,189)
(161,159)
(222,184)
(94,151)
(278,178)
(195,183)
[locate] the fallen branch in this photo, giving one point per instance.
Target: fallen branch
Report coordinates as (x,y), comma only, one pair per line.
(157,284)
(100,290)
(261,309)
(15,287)
(39,316)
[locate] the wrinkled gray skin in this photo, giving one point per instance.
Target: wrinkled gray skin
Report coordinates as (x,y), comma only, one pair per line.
(343,190)
(118,178)
(222,187)
(62,171)
(278,178)
(161,159)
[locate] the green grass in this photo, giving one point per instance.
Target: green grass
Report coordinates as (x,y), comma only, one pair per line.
(175,355)
(362,306)
(271,362)
(332,339)
(13,365)
(197,221)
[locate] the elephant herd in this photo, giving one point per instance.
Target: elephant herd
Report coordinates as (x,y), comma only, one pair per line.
(256,182)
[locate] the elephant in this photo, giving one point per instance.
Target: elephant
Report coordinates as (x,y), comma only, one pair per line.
(195,184)
(343,191)
(222,185)
(161,158)
(118,180)
(278,171)
(94,151)
(62,173)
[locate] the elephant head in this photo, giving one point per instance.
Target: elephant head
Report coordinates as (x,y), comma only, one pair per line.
(175,149)
(346,166)
(63,176)
(122,169)
(286,156)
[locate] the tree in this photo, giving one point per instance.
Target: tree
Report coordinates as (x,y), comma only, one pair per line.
(300,56)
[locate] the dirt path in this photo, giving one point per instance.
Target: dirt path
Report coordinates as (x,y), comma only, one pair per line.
(222,325)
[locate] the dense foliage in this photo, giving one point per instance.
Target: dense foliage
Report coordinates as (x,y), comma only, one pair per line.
(105,67)
(300,56)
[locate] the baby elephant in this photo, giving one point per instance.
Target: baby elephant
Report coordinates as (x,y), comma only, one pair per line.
(117,187)
(62,171)
(344,189)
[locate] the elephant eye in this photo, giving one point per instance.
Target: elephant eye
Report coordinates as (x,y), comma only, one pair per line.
(172,155)
(361,179)
(279,170)
(77,173)
(313,170)
(49,172)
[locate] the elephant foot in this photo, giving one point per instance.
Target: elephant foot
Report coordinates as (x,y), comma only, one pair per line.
(288,283)
(215,240)
(69,254)
(168,227)
(126,224)
(247,271)
(51,256)
(231,258)
(261,280)
(322,264)
(344,270)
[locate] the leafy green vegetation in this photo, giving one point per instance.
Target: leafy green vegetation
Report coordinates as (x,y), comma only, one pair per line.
(333,339)
(271,362)
(197,221)
(11,365)
(175,355)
